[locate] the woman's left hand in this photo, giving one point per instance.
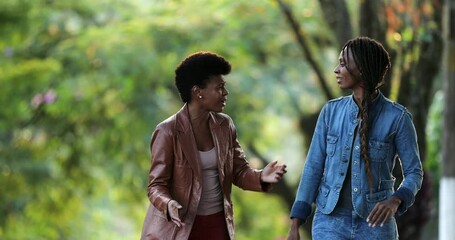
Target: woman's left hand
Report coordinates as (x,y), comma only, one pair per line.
(383,211)
(273,172)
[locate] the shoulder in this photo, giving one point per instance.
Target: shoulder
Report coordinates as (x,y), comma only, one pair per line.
(168,125)
(395,107)
(333,104)
(222,116)
(164,131)
(168,121)
(222,119)
(339,99)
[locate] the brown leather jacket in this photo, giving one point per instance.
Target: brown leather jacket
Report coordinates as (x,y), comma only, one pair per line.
(175,173)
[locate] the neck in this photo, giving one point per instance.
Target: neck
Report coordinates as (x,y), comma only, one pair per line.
(359,95)
(198,116)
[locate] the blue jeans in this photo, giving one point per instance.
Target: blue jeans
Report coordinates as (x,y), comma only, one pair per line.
(345,224)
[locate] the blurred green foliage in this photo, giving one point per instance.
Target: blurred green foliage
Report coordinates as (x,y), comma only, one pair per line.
(434,136)
(83,84)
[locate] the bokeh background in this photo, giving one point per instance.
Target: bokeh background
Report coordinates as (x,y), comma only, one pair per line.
(83,84)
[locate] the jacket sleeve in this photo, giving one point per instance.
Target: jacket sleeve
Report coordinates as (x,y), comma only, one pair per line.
(243,175)
(162,160)
(312,170)
(408,151)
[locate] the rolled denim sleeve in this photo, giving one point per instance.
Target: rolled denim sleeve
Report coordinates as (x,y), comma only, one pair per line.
(301,210)
(408,151)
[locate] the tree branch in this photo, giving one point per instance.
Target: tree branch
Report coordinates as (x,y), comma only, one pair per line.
(299,34)
(337,16)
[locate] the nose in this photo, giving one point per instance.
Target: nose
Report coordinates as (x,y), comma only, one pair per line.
(225,92)
(337,69)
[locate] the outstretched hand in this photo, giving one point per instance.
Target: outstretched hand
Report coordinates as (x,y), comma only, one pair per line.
(273,172)
(173,210)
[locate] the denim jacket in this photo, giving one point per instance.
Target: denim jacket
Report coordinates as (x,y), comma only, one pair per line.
(391,134)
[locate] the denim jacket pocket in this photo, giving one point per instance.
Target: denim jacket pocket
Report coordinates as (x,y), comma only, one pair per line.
(374,198)
(323,195)
(378,150)
(387,184)
(331,145)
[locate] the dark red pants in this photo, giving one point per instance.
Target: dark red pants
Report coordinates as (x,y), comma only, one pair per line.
(210,227)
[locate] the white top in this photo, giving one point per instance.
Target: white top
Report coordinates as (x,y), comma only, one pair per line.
(212,196)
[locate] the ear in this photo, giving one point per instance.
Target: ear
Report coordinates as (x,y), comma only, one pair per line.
(195,90)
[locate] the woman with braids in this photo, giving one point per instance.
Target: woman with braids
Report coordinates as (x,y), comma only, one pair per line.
(196,158)
(355,146)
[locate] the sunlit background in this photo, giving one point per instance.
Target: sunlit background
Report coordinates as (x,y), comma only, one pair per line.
(83,84)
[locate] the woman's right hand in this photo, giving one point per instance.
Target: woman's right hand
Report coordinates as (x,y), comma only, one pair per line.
(173,210)
(293,233)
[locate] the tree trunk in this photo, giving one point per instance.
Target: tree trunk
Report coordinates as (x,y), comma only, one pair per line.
(372,24)
(447,184)
(337,17)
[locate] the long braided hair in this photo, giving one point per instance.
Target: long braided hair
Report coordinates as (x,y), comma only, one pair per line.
(373,61)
